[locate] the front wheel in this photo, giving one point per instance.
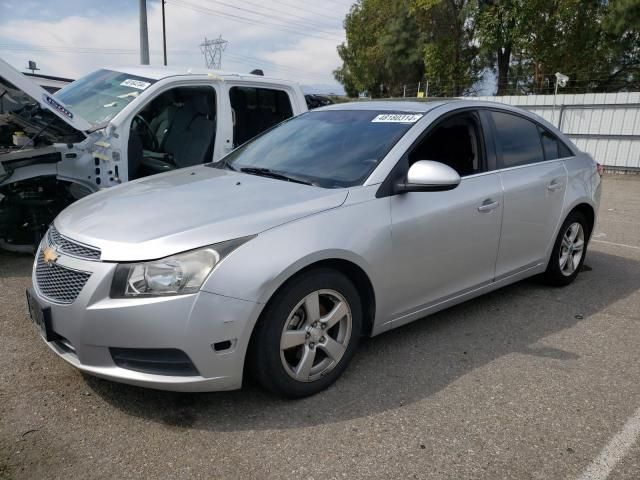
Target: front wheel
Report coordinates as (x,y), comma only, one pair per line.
(307,334)
(569,251)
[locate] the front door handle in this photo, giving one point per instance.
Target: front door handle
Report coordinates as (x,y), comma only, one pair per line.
(554,185)
(488,206)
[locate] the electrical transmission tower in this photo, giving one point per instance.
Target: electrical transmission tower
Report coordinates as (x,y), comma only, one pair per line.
(212,51)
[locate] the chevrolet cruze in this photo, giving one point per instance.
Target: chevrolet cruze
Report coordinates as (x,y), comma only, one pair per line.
(346,221)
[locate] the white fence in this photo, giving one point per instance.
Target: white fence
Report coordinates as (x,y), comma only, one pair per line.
(606,125)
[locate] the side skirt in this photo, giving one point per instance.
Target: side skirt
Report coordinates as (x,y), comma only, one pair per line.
(442,304)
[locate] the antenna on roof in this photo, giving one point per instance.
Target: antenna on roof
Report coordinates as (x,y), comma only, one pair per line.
(212,51)
(257,71)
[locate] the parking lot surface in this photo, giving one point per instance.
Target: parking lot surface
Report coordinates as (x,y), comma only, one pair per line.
(526,382)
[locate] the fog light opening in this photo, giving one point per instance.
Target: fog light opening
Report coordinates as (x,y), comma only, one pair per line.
(225,346)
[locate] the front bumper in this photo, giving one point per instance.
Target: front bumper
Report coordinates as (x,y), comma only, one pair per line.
(94,323)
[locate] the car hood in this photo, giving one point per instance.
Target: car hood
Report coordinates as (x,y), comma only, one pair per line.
(185,209)
(17,85)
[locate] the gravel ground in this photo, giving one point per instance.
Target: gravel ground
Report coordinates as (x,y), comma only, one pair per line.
(526,382)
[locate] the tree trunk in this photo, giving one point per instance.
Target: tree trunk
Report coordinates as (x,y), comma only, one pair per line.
(504,61)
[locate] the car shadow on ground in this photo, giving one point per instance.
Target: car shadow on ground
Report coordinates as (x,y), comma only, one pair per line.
(406,365)
(14,264)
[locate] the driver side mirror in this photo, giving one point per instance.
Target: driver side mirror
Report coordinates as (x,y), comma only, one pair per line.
(429,176)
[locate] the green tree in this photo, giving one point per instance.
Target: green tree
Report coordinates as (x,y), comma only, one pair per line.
(624,16)
(451,59)
(452,43)
(500,29)
(581,39)
(382,48)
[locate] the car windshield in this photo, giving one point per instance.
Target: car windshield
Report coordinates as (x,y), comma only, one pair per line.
(99,96)
(330,149)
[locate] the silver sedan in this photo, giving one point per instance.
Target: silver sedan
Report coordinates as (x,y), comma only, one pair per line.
(346,221)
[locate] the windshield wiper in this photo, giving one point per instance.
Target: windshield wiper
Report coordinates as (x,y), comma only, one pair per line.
(265,172)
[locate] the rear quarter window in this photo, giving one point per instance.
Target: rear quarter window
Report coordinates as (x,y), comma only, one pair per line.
(553,147)
(549,145)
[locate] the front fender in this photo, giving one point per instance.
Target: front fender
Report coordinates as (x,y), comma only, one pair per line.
(358,233)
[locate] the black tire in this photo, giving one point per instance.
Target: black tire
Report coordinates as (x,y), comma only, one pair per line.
(553,274)
(264,358)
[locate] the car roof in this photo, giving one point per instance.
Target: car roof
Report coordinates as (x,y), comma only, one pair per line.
(428,105)
(389,105)
(156,72)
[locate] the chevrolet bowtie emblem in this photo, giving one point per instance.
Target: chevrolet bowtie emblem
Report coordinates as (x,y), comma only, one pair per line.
(49,255)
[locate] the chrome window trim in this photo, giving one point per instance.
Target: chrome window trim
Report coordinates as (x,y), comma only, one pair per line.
(479,174)
(532,164)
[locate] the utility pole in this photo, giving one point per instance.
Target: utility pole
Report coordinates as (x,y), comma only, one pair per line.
(164,34)
(212,51)
(144,34)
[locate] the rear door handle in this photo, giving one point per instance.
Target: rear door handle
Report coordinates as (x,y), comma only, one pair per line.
(554,185)
(488,206)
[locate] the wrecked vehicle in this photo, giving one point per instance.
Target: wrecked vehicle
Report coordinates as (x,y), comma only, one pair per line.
(116,125)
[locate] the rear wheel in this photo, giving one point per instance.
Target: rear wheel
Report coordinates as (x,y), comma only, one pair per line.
(569,250)
(307,334)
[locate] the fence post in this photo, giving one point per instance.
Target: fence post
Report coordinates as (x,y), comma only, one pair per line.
(404,91)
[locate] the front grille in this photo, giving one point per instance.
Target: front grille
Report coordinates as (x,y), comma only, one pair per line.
(58,283)
(71,247)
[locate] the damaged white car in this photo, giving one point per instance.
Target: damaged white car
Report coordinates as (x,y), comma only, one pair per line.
(116,125)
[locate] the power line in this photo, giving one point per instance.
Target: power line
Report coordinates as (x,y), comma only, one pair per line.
(341,4)
(306,8)
(296,23)
(253,63)
(65,49)
(237,18)
(237,58)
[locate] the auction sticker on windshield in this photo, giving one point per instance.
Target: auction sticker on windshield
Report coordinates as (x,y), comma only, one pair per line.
(397,118)
(130,82)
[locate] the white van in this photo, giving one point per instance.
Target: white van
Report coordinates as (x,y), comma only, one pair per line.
(116,125)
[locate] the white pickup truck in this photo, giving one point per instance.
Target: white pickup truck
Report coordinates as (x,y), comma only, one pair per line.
(116,125)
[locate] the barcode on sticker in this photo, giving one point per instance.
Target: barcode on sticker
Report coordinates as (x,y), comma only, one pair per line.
(130,82)
(398,118)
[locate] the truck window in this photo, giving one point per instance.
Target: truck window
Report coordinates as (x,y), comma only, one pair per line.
(256,110)
(176,129)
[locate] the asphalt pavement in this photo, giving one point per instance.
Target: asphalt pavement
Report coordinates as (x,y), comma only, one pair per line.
(528,382)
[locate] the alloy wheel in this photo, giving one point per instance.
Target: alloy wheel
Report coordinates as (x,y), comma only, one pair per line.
(571,249)
(316,335)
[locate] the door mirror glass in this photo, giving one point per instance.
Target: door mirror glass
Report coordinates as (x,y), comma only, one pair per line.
(430,176)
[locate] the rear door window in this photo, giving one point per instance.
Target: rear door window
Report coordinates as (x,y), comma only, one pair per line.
(256,110)
(518,140)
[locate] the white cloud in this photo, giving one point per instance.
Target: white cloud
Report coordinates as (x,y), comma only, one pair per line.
(305,59)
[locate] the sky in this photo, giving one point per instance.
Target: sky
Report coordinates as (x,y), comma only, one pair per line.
(293,39)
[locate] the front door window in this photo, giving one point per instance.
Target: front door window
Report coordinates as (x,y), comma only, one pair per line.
(176,129)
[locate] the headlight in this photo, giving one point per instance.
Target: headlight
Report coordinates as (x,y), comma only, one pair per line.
(175,275)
